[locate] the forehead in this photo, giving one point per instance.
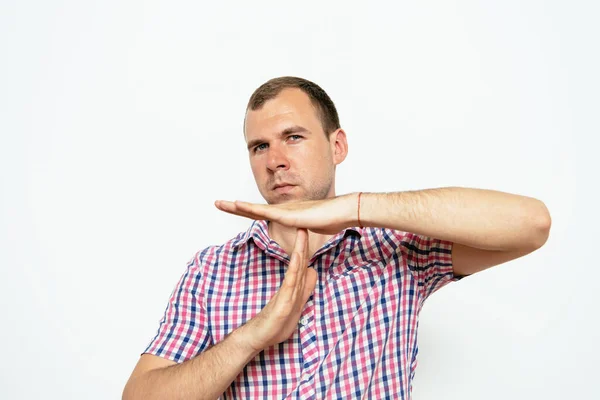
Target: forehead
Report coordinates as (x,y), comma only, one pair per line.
(289,107)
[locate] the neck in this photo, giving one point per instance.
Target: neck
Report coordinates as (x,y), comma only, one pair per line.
(285,236)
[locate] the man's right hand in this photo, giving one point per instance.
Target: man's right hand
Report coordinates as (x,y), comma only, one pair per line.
(278,320)
(209,374)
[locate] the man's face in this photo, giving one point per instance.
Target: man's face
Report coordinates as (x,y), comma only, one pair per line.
(290,155)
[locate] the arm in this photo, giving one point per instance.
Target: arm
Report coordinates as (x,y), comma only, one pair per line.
(208,375)
(205,376)
(487,227)
(485,219)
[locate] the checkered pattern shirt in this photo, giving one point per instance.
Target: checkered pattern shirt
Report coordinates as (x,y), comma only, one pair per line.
(357,336)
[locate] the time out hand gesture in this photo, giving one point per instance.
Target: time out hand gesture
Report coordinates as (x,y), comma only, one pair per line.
(278,320)
(326,217)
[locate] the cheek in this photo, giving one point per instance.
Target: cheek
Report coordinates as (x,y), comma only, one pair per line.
(317,163)
(255,167)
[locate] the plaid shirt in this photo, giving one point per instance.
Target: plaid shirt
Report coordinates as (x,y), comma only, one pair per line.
(357,336)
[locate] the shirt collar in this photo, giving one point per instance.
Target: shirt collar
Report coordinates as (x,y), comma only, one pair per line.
(259,232)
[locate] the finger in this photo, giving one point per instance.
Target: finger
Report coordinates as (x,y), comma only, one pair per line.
(248,210)
(303,268)
(311,281)
(280,213)
(262,210)
(288,287)
(224,205)
(305,256)
(245,215)
(301,241)
(294,268)
(300,248)
(231,208)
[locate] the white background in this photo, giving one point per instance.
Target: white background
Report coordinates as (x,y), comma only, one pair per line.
(121,123)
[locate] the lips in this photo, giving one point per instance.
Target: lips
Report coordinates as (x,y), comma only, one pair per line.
(282,188)
(283,184)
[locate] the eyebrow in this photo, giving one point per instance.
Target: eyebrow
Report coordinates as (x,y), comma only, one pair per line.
(285,132)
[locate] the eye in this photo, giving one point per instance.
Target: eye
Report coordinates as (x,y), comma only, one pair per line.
(295,137)
(260,147)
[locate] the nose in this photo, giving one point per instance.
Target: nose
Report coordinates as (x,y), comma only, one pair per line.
(277,159)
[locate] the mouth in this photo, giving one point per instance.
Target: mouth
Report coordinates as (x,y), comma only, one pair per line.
(283,187)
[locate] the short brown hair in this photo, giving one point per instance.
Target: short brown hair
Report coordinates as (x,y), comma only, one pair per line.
(321,101)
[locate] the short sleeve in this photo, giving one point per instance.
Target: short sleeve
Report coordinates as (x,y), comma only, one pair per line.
(429,260)
(183,332)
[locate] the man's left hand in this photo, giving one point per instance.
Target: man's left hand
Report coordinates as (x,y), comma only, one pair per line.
(326,217)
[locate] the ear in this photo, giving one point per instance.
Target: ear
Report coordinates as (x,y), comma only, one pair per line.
(339,146)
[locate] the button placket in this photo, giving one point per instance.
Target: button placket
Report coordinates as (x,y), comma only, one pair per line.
(308,344)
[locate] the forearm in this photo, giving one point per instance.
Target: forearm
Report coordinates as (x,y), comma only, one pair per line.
(480,218)
(205,376)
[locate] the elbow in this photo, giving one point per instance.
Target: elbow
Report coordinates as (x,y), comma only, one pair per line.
(129,392)
(542,225)
(127,395)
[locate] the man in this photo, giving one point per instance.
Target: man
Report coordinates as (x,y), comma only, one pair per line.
(320,297)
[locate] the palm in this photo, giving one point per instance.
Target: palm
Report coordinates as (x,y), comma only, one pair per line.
(327,216)
(279,319)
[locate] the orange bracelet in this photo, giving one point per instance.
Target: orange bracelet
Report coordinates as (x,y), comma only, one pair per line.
(359,224)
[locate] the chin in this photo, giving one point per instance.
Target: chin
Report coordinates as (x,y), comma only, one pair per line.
(283,198)
(288,197)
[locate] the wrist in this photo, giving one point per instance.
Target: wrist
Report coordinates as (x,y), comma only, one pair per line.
(365,207)
(242,338)
(351,217)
